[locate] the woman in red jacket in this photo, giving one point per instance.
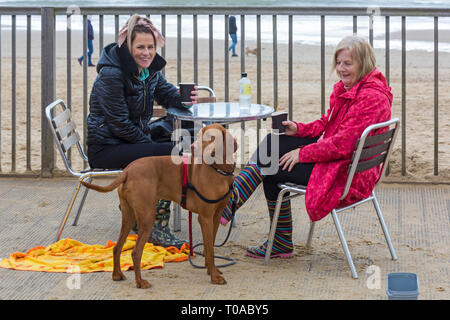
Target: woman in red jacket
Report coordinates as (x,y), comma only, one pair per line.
(317,154)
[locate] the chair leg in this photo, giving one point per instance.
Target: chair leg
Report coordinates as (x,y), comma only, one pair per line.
(344,244)
(274,225)
(69,208)
(80,207)
(176,217)
(383,226)
(234,221)
(310,234)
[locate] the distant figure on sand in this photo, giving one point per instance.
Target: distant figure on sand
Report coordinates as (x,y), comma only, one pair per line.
(90,44)
(232,29)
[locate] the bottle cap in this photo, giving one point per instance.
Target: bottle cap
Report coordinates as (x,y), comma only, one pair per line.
(244,75)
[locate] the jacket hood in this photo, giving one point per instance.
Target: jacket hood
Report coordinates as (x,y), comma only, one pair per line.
(113,56)
(373,80)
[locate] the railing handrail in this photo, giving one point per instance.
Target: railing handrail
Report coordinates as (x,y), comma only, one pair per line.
(242,10)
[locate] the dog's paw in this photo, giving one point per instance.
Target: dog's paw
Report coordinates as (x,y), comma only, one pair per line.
(118,277)
(218,280)
(143,284)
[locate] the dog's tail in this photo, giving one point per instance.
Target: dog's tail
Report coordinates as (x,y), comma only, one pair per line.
(117,182)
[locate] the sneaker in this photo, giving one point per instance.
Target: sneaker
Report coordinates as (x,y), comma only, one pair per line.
(91,65)
(234,55)
(80,61)
(259,252)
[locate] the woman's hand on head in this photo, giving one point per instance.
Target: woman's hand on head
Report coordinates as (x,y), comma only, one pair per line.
(290,128)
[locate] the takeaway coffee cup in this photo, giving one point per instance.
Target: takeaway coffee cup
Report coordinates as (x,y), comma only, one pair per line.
(277,119)
(185,91)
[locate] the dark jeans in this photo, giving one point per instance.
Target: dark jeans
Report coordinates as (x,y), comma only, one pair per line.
(118,156)
(90,46)
(233,44)
(300,172)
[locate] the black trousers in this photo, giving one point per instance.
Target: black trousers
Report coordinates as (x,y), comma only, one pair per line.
(300,172)
(118,156)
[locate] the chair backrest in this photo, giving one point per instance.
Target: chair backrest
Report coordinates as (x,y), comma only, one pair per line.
(372,150)
(210,99)
(64,131)
(159,111)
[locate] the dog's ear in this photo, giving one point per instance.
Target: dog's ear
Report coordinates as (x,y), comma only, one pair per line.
(230,145)
(218,145)
(211,140)
(229,139)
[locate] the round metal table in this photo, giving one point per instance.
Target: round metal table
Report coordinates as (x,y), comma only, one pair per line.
(221,112)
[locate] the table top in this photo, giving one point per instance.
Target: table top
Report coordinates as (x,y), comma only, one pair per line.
(221,112)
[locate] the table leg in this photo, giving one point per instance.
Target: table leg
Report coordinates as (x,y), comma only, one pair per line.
(176,206)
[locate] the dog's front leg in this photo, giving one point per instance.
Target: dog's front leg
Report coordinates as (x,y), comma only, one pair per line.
(207,226)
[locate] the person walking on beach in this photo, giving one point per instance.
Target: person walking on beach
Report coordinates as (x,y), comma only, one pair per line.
(121,105)
(232,29)
(90,44)
(317,154)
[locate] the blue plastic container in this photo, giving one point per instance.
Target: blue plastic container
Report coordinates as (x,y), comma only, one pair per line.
(402,286)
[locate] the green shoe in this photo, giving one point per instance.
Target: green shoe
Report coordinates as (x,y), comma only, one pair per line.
(161,234)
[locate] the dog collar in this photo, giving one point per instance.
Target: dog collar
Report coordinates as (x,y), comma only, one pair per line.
(225,173)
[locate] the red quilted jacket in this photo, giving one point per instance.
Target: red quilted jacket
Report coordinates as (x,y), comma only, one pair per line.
(350,112)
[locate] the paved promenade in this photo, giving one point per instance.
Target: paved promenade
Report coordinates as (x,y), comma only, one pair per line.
(417,216)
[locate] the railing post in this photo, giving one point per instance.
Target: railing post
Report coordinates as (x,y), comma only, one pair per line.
(436,95)
(48,86)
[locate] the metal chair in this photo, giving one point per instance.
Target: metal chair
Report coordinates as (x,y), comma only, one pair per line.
(65,134)
(370,151)
(211,98)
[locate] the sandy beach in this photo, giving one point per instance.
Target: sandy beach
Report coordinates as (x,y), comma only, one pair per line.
(306,83)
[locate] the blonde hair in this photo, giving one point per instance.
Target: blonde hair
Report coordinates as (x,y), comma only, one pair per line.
(361,51)
(133,29)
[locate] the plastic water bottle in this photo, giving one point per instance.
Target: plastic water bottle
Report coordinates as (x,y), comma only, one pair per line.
(245,92)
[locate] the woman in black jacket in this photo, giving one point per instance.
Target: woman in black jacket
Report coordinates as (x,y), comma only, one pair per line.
(121,106)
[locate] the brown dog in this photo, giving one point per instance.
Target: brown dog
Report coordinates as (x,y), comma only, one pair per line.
(148,179)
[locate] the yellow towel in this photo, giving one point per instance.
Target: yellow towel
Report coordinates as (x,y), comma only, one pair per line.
(68,255)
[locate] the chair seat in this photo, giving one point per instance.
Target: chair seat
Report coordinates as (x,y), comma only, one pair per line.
(98,170)
(291,185)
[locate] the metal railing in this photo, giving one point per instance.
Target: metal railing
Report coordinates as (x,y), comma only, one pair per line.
(48,59)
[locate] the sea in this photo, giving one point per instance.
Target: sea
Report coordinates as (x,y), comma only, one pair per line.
(306,29)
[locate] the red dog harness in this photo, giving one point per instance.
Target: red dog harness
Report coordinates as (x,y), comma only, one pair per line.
(184,186)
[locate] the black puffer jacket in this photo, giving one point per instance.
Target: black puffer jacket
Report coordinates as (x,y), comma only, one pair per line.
(121,105)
